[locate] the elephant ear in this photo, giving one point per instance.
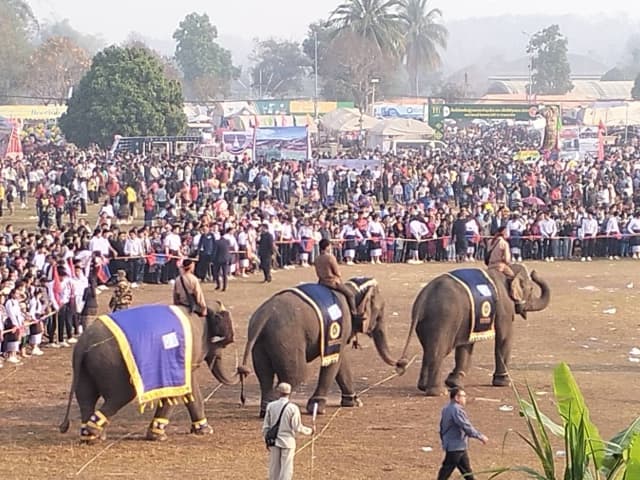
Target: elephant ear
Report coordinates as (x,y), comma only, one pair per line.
(517,286)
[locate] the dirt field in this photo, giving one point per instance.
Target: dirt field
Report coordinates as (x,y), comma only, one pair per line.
(386,438)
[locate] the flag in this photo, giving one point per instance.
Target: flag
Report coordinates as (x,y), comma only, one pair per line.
(104,274)
(601,134)
(57,286)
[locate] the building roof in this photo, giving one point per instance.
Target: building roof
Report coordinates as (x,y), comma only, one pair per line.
(582,89)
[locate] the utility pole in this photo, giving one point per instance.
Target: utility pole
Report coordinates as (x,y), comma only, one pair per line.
(530,86)
(315,98)
(260,79)
(374,82)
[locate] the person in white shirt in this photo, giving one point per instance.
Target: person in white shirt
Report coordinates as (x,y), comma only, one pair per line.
(612,230)
(376,235)
(15,323)
(282,454)
(172,244)
(305,237)
(350,236)
(549,232)
(633,228)
(134,248)
(61,299)
(418,230)
(36,310)
(589,232)
(515,229)
(286,237)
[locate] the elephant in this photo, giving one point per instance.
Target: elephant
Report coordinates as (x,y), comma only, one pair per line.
(99,370)
(440,317)
(284,335)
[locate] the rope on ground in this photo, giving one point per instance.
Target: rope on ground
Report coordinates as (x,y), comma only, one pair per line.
(335,414)
(92,459)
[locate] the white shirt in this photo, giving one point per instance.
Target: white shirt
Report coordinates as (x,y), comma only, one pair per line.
(133,247)
(14,312)
(589,226)
(612,226)
(290,424)
(99,244)
(418,229)
(66,290)
(634,225)
(375,228)
(172,242)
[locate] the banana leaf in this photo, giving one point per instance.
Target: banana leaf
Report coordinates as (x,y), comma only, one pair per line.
(617,446)
(633,462)
(574,411)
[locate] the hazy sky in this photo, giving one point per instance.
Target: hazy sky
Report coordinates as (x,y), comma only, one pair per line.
(288,19)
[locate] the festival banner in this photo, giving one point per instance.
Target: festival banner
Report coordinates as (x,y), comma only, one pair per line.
(237,143)
(358,164)
(282,143)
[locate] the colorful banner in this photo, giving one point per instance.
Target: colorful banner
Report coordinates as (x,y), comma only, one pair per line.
(282,143)
(32,112)
(272,107)
(392,110)
(237,143)
(358,164)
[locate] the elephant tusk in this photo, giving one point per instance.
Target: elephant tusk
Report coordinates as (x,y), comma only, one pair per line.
(236,359)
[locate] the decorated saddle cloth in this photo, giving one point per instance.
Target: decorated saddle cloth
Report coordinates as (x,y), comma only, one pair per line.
(482,296)
(325,303)
(156,344)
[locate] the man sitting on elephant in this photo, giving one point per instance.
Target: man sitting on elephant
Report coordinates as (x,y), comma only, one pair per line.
(498,258)
(328,275)
(188,292)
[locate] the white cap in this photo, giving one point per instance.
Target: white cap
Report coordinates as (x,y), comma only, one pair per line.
(284,388)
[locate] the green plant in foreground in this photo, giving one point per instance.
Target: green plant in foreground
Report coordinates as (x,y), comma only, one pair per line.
(587,456)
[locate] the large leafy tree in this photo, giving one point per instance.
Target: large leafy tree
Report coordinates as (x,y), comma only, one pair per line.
(56,66)
(18,27)
(551,70)
(279,67)
(376,21)
(198,55)
(423,39)
(124,92)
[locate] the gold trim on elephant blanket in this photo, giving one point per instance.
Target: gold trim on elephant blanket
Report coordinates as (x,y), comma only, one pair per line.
(485,321)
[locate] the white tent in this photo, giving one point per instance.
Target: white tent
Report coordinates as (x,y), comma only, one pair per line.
(612,114)
(344,120)
(406,129)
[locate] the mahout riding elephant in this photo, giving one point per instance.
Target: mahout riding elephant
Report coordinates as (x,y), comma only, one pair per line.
(441,318)
(99,370)
(284,335)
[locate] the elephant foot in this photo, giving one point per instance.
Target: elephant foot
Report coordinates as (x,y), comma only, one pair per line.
(350,401)
(454,380)
(501,380)
(201,428)
(433,391)
(156,431)
(320,401)
(90,435)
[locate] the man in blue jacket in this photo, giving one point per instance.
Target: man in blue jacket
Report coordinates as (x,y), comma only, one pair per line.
(455,429)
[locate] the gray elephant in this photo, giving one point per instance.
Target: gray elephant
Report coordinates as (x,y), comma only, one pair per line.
(284,335)
(99,370)
(441,318)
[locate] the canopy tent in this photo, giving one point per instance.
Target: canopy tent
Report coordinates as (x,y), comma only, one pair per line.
(613,114)
(344,120)
(386,131)
(241,123)
(10,144)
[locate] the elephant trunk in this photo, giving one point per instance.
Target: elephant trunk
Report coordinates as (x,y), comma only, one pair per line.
(380,341)
(536,304)
(220,375)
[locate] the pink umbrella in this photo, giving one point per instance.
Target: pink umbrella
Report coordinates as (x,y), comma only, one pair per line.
(533,201)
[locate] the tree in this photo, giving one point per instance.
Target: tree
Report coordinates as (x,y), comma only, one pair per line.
(90,43)
(451,92)
(376,21)
(169,65)
(124,92)
(55,67)
(198,54)
(551,69)
(424,35)
(279,67)
(635,91)
(18,26)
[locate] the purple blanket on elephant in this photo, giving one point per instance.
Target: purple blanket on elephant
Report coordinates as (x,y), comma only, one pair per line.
(156,344)
(482,296)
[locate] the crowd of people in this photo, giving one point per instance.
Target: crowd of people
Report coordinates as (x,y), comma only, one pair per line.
(96,214)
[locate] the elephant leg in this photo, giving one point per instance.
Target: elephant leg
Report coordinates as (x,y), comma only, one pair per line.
(266,374)
(502,356)
(87,395)
(327,375)
(429,381)
(199,423)
(98,420)
(157,428)
(344,378)
(463,364)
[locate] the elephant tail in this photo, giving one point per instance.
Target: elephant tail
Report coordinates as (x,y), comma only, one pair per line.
(403,362)
(257,322)
(77,363)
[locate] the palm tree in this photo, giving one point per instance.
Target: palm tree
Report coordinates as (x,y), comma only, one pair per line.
(376,21)
(423,37)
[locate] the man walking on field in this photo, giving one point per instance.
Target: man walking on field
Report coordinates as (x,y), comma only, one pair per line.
(455,429)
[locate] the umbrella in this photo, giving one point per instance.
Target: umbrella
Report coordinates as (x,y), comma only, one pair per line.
(533,201)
